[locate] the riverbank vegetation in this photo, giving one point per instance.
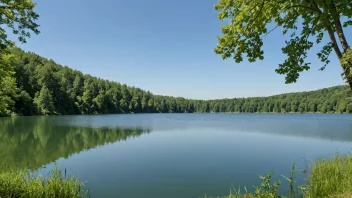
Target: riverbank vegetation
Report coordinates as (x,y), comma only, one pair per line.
(331,178)
(328,178)
(18,183)
(47,88)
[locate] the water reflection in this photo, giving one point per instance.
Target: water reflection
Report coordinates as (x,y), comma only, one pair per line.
(331,127)
(32,142)
(187,155)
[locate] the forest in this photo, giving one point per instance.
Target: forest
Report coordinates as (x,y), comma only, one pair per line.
(39,86)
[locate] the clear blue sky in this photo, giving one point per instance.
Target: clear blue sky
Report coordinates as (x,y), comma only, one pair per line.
(165,47)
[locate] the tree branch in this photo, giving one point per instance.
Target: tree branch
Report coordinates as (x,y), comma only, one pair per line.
(333,41)
(306,7)
(255,18)
(313,26)
(271,31)
(14,7)
(339,29)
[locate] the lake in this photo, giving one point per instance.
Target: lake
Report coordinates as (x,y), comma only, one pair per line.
(173,155)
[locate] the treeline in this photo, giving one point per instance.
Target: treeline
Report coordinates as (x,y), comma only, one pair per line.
(47,88)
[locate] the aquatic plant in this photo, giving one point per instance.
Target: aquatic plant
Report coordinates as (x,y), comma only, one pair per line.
(20,183)
(328,178)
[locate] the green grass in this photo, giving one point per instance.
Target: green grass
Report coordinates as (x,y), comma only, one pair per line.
(16,183)
(330,178)
(267,189)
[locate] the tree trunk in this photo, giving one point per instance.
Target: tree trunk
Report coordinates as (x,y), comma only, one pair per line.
(346,69)
(339,29)
(334,43)
(350,84)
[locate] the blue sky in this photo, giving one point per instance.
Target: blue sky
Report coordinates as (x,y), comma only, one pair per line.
(165,47)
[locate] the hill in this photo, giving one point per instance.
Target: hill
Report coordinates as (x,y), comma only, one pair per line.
(47,88)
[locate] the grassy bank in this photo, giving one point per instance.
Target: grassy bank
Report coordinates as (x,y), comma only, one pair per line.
(16,183)
(331,178)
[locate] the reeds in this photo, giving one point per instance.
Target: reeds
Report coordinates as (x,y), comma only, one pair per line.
(329,178)
(18,183)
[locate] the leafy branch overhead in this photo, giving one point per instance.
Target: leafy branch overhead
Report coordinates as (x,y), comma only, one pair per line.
(17,15)
(306,22)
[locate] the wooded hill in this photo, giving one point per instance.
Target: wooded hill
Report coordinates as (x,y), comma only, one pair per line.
(47,88)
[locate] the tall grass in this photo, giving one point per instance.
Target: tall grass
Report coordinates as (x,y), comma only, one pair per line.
(16,183)
(267,189)
(331,178)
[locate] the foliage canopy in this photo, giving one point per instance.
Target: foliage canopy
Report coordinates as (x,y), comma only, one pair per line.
(306,22)
(17,15)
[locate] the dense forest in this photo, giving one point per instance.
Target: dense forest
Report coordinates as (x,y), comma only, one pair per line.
(40,86)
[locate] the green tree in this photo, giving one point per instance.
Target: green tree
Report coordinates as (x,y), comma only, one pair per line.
(101,102)
(88,95)
(24,104)
(144,104)
(8,88)
(17,15)
(45,102)
(150,104)
(163,108)
(251,20)
(349,108)
(341,107)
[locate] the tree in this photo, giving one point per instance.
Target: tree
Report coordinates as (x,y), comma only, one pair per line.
(144,104)
(101,102)
(135,103)
(8,92)
(8,88)
(150,104)
(45,102)
(341,107)
(250,20)
(19,16)
(24,104)
(88,95)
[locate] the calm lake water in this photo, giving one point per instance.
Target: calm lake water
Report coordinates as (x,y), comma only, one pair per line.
(173,155)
